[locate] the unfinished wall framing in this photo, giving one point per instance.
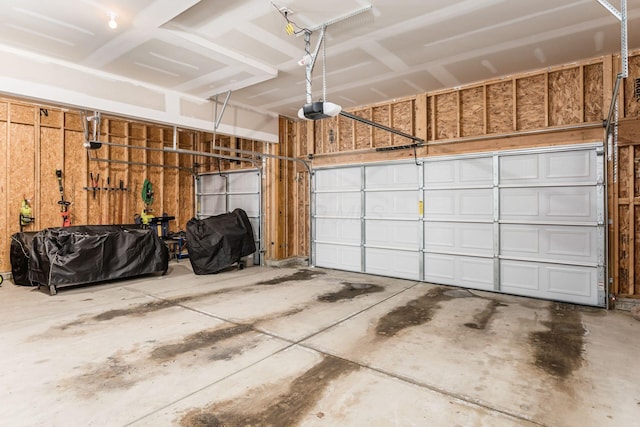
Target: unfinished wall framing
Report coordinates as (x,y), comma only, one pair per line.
(37,140)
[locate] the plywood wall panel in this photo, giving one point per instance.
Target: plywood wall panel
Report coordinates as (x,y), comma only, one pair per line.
(318,137)
(380,114)
(330,135)
(530,102)
(500,107)
(593,92)
(565,97)
(472,111)
(446,115)
(4,111)
(51,159)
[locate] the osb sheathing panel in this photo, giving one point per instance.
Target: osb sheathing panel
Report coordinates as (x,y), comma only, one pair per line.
(51,118)
(446,112)
(402,120)
(346,133)
(4,212)
(624,231)
(302,138)
(500,107)
(137,175)
(636,171)
(363,131)
(119,198)
(380,114)
(4,110)
(20,171)
(73,121)
(22,114)
(636,262)
(530,102)
(632,104)
(317,135)
(185,209)
(330,135)
(302,231)
(624,174)
(565,97)
(472,111)
(593,93)
(51,159)
(73,174)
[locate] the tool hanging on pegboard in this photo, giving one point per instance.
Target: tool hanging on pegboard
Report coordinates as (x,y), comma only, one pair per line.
(26,213)
(64,204)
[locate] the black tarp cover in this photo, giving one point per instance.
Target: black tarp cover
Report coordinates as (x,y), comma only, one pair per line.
(65,256)
(217,242)
(19,257)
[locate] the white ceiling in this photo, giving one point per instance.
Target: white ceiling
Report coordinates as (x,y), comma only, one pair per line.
(200,48)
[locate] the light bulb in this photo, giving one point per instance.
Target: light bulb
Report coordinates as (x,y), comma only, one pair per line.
(113,24)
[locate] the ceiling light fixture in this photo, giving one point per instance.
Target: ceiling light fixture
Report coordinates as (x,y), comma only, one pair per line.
(113,24)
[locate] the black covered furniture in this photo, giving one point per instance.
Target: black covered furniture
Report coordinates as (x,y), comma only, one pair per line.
(218,242)
(68,256)
(19,255)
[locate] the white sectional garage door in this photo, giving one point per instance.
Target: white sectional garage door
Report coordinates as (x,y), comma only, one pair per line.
(222,193)
(527,222)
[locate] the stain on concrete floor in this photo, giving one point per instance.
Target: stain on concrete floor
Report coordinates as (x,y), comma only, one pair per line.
(113,374)
(350,290)
(298,276)
(199,340)
(416,312)
(285,409)
(482,319)
(558,350)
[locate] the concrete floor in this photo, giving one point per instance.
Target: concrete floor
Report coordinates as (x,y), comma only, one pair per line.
(311,347)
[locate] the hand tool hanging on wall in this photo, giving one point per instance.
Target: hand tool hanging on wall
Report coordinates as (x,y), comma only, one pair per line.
(64,204)
(147,199)
(26,214)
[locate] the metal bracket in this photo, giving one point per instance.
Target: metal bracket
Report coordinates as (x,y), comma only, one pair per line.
(620,15)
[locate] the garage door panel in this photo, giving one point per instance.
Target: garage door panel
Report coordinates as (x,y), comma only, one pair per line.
(560,243)
(346,205)
(565,167)
(337,256)
(244,182)
(392,204)
(213,183)
(340,179)
(467,204)
(466,172)
(392,263)
(213,205)
(555,204)
(250,203)
(393,234)
(461,238)
(392,176)
(469,272)
(550,281)
(338,231)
